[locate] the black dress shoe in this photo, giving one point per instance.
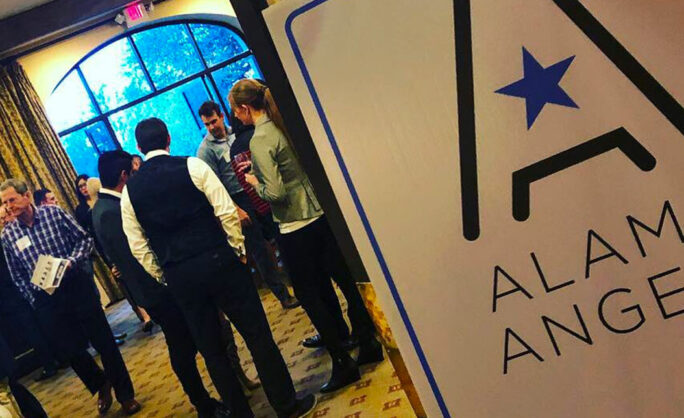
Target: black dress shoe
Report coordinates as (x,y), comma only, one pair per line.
(370,352)
(290,303)
(305,406)
(121,336)
(222,412)
(344,372)
(46,374)
(213,409)
(313,342)
(316,341)
(119,341)
(104,398)
(130,406)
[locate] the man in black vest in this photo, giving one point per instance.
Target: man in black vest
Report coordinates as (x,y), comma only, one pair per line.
(115,168)
(169,212)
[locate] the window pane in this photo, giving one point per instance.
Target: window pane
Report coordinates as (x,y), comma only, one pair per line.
(227,76)
(82,147)
(217,43)
(168,53)
(69,104)
(177,108)
(115,75)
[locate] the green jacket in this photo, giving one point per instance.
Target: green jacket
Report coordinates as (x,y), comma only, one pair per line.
(282,181)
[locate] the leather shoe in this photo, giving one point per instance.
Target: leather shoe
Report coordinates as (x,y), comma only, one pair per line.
(214,409)
(46,374)
(119,341)
(313,342)
(370,352)
(290,303)
(104,398)
(130,406)
(305,406)
(316,341)
(121,336)
(344,372)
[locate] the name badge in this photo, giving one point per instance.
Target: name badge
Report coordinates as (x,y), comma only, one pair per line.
(23,243)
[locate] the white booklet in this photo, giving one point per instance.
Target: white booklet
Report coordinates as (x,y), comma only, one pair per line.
(49,272)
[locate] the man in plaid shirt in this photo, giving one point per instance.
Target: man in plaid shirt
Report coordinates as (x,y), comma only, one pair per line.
(72,314)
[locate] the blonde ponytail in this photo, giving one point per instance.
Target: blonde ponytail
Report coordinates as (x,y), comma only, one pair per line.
(257,95)
(274,113)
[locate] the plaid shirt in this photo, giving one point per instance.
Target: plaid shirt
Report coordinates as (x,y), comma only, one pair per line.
(54,233)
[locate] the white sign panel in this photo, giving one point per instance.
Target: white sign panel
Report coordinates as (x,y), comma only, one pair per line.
(511,173)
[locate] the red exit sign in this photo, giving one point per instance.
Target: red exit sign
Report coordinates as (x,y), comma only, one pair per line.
(135,12)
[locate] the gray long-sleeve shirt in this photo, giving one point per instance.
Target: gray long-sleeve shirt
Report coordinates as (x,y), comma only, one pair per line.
(216,153)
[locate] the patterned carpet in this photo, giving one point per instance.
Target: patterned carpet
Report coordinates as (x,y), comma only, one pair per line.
(378,394)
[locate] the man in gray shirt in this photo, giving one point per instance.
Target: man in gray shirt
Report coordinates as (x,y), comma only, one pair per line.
(215,151)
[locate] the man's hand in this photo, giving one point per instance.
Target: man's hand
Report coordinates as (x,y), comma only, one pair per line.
(251,179)
(244,166)
(244,217)
(115,272)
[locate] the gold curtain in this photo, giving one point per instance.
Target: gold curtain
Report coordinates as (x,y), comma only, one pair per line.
(30,150)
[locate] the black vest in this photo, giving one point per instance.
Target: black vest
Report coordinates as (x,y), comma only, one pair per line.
(177,218)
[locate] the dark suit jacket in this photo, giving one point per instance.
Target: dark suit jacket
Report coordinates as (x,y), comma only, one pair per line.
(146,291)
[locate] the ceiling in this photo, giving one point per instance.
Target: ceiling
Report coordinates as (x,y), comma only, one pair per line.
(13,7)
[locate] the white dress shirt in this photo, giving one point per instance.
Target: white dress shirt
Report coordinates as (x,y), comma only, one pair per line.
(206,181)
(111,192)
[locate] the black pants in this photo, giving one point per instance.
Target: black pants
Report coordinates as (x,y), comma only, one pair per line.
(73,316)
(314,258)
(269,227)
(182,351)
(229,341)
(256,248)
(20,316)
(28,404)
(218,279)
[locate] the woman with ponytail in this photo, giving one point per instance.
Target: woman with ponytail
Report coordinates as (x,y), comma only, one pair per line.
(306,241)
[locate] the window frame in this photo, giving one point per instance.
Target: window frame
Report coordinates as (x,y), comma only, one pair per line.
(205,75)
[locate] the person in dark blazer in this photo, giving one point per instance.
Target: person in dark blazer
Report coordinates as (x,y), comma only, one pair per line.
(115,168)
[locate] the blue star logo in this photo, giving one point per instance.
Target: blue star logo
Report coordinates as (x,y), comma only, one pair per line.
(539,86)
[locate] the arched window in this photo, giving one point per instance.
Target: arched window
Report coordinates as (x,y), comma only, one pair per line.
(165,71)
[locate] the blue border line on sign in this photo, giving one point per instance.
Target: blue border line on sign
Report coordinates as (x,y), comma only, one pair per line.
(357,202)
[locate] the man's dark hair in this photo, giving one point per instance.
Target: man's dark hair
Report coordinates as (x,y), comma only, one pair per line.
(209,108)
(39,196)
(111,164)
(151,134)
(134,156)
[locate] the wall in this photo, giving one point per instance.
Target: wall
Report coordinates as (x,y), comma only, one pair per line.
(46,67)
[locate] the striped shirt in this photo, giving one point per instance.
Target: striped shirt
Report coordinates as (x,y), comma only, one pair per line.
(261,206)
(55,233)
(241,145)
